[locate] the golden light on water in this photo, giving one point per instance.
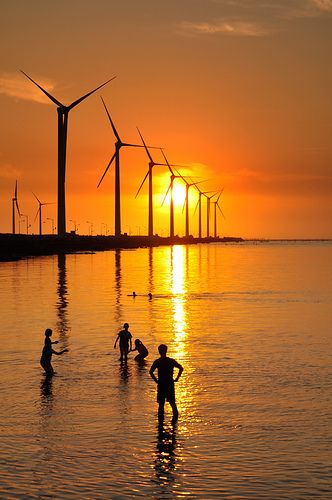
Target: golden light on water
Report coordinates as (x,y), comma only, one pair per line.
(179,293)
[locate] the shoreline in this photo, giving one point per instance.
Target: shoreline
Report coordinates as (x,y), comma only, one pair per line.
(19,246)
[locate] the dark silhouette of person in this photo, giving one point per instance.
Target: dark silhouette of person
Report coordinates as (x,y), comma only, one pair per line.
(124,337)
(47,352)
(150,295)
(142,350)
(165,381)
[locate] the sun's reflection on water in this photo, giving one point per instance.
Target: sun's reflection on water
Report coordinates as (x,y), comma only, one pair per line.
(179,288)
(179,297)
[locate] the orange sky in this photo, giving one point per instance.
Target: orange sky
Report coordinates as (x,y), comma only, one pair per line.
(238,91)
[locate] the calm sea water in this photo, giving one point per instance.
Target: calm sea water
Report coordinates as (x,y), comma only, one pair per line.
(251,324)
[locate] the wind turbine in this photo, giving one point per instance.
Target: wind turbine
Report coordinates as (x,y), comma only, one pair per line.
(63,112)
(216,204)
(39,211)
(118,145)
(199,205)
(186,203)
(15,206)
(148,175)
(208,202)
(170,189)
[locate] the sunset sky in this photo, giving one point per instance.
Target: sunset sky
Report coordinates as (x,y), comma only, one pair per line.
(238,91)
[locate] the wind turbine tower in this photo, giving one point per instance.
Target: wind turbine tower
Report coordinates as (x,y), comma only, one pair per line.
(118,145)
(15,208)
(63,112)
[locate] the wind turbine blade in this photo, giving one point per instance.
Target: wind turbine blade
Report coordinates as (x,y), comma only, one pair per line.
(222,213)
(161,149)
(75,103)
(53,99)
(17,207)
(37,198)
(15,192)
(108,166)
(132,145)
(111,121)
(184,204)
(142,183)
(196,207)
(169,187)
(37,214)
(145,146)
(194,183)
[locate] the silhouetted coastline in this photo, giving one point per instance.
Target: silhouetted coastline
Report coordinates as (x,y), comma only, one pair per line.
(17,246)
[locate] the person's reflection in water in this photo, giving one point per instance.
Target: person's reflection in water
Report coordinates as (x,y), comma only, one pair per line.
(124,372)
(165,458)
(46,393)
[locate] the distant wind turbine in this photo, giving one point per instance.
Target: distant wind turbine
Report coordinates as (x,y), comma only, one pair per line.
(216,204)
(148,175)
(63,112)
(170,190)
(199,205)
(15,207)
(186,203)
(208,202)
(118,145)
(39,211)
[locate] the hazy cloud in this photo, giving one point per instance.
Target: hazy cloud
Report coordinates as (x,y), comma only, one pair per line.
(235,28)
(8,171)
(324,5)
(253,19)
(17,86)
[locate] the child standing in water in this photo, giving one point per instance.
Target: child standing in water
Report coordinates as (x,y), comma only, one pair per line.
(46,356)
(142,350)
(124,336)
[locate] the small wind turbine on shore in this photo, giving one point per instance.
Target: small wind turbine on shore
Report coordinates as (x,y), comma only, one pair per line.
(15,208)
(26,221)
(118,145)
(216,205)
(63,112)
(148,175)
(39,211)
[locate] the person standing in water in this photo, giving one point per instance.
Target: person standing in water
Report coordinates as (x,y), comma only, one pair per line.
(165,381)
(142,350)
(47,352)
(124,337)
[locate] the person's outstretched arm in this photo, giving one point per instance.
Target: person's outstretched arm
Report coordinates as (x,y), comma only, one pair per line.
(116,340)
(59,352)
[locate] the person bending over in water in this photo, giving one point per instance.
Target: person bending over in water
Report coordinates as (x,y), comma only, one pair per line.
(165,381)
(142,350)
(46,356)
(124,336)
